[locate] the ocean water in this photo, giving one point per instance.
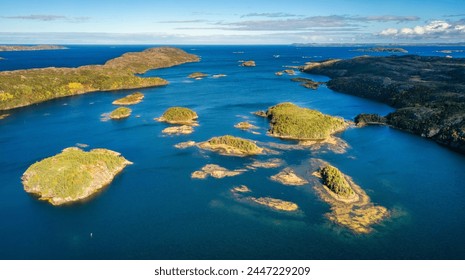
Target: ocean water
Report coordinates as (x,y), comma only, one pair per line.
(154,210)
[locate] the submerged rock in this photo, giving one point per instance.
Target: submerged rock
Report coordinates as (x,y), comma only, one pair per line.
(276,204)
(271,163)
(184,145)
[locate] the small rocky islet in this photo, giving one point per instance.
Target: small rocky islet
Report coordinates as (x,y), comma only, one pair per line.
(183,118)
(130,99)
(120,113)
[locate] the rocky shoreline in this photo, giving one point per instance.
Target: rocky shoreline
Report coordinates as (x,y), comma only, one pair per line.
(428,92)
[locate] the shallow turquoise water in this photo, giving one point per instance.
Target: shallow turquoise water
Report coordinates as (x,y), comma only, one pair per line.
(154,210)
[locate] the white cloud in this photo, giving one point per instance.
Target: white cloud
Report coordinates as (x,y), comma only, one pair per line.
(433,29)
(389,31)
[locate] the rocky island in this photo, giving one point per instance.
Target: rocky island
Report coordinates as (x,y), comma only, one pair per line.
(178,115)
(72,175)
(130,99)
(120,113)
(350,205)
(290,121)
(231,146)
(12,48)
(25,87)
(428,92)
(215,171)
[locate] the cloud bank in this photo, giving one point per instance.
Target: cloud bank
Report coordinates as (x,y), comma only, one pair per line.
(433,29)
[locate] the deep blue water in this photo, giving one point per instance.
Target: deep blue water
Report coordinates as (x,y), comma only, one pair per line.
(154,210)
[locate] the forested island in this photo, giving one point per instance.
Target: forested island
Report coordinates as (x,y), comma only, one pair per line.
(428,92)
(25,87)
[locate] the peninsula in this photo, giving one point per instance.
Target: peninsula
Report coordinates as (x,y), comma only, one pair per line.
(73,174)
(428,92)
(13,48)
(25,87)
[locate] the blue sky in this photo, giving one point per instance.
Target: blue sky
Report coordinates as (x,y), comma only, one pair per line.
(231,22)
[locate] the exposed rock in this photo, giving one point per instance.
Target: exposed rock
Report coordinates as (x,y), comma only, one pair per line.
(369,119)
(276,204)
(289,72)
(183,129)
(197,75)
(260,114)
(279,73)
(241,189)
(288,177)
(245,125)
(215,171)
(2,116)
(73,174)
(249,63)
(308,83)
(184,145)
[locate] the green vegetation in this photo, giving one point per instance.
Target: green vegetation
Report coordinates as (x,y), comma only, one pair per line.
(129,99)
(24,87)
(73,174)
(179,115)
(243,145)
(293,122)
(120,113)
(335,181)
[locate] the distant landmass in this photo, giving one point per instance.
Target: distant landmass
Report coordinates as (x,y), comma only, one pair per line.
(11,48)
(381,49)
(25,87)
(428,92)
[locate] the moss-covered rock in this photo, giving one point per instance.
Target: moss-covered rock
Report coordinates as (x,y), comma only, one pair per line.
(293,122)
(73,174)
